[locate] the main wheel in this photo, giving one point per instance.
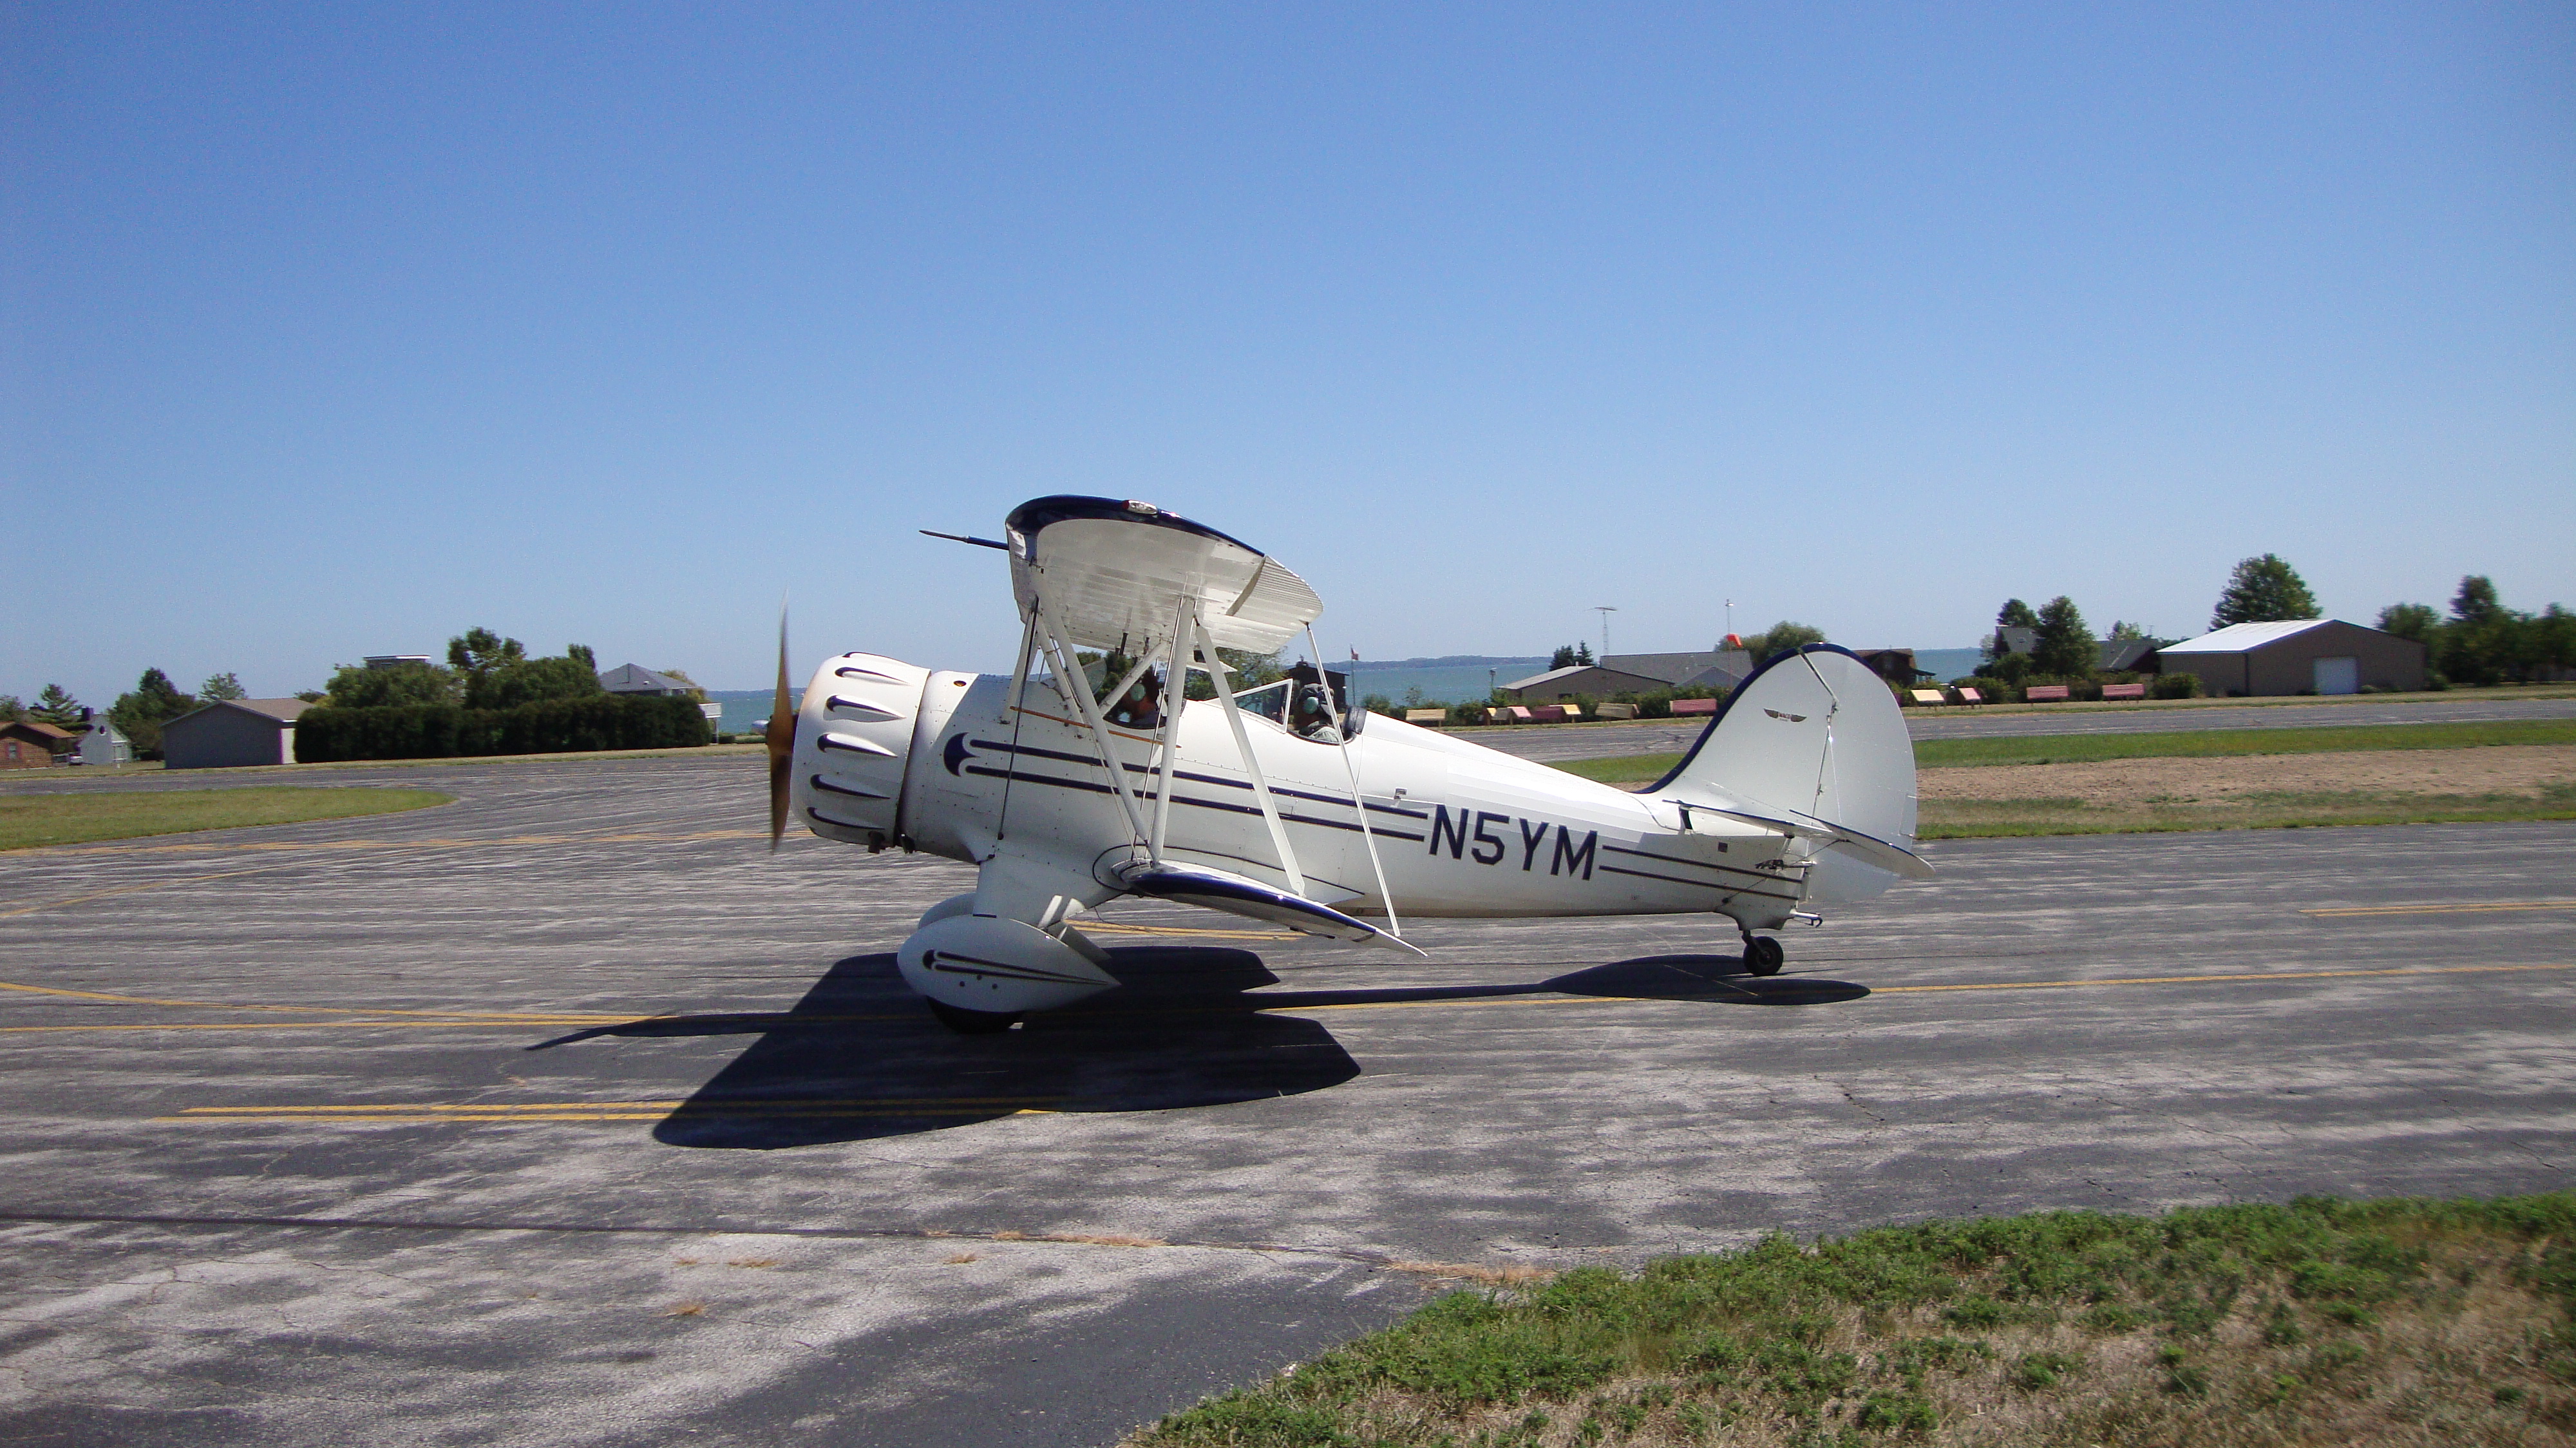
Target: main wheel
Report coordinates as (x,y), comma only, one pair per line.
(978,1023)
(1763,955)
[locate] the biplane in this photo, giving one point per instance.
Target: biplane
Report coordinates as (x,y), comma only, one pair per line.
(1086,774)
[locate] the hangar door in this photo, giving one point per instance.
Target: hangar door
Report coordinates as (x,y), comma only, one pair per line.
(2339,676)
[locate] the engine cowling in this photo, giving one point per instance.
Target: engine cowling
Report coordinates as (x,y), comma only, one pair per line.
(854,737)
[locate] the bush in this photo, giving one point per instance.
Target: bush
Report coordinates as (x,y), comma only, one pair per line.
(447,731)
(2175,686)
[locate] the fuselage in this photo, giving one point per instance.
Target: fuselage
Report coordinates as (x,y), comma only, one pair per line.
(1457,829)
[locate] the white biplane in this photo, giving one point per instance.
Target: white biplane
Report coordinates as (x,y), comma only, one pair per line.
(1285,803)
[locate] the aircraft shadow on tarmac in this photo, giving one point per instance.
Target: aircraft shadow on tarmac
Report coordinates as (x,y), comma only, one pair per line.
(860,1058)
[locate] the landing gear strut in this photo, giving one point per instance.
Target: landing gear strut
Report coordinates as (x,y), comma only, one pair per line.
(1763,955)
(984,1023)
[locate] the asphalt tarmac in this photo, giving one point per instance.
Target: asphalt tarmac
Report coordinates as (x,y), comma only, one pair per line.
(567,1115)
(1550,742)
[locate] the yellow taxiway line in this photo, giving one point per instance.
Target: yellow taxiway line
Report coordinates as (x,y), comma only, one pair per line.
(2460,909)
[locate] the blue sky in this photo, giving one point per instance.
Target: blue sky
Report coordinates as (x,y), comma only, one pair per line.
(336,329)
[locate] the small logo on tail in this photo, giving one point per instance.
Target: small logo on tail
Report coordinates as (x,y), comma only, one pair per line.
(1792,718)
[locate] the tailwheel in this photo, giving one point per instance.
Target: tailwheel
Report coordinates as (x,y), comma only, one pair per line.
(1763,955)
(978,1023)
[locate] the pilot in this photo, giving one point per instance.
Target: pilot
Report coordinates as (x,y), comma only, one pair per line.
(1310,711)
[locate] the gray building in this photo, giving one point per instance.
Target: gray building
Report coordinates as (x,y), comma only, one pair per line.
(231,733)
(2308,656)
(1590,681)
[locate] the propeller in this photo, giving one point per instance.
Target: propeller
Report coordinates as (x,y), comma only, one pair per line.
(782,739)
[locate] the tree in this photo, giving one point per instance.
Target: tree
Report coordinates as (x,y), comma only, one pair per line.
(1563,658)
(2064,645)
(2127,632)
(2476,602)
(221,686)
(2014,614)
(529,681)
(2485,642)
(697,691)
(57,707)
(355,686)
(2264,589)
(1249,670)
(12,711)
(2415,621)
(140,714)
(476,654)
(1781,638)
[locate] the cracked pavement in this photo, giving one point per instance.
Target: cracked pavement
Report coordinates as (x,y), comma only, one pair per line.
(567,1115)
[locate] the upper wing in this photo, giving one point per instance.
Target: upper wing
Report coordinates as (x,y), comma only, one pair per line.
(1111,573)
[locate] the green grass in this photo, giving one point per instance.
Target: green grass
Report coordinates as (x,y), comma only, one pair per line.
(29,821)
(2320,1322)
(1959,819)
(2180,743)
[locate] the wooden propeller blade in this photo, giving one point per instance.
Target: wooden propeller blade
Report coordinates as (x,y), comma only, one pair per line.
(782,739)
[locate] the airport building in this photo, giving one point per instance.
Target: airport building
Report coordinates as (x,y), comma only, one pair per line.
(2306,656)
(231,733)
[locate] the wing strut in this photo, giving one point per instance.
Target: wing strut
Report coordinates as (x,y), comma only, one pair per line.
(1222,676)
(1359,802)
(1176,680)
(1079,687)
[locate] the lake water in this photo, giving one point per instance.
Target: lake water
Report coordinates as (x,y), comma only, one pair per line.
(1450,684)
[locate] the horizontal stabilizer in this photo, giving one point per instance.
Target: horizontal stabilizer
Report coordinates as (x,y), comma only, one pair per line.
(1236,895)
(1893,858)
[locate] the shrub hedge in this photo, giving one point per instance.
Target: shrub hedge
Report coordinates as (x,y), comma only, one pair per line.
(448,731)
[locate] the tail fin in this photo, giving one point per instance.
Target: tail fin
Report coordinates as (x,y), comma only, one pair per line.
(1815,744)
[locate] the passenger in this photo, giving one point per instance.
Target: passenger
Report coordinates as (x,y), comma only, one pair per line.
(1141,707)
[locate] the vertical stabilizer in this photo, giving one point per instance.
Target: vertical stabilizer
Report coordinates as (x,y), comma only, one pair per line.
(1814,740)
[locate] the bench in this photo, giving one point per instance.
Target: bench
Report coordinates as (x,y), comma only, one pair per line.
(2124,691)
(1929,696)
(1433,717)
(1683,707)
(1616,711)
(2045,693)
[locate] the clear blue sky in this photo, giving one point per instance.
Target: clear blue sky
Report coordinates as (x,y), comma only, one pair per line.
(336,329)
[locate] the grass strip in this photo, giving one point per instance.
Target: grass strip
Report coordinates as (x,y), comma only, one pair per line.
(2320,1322)
(1960,819)
(28,821)
(2179,743)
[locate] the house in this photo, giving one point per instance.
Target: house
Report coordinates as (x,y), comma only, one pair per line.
(231,733)
(1718,669)
(32,744)
(636,679)
(1896,666)
(102,742)
(2305,656)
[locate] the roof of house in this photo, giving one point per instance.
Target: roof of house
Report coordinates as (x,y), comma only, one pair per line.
(1554,675)
(636,679)
(42,729)
(284,711)
(2239,638)
(1679,668)
(2120,654)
